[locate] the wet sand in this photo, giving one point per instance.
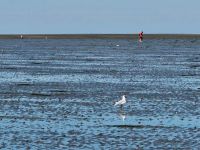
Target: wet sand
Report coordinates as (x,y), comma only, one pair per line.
(59,94)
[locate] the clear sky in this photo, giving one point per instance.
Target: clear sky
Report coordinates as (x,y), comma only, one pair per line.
(99,16)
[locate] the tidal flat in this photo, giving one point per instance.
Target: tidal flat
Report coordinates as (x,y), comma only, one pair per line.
(59,93)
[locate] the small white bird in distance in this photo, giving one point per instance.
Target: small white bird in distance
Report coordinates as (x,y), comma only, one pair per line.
(121,101)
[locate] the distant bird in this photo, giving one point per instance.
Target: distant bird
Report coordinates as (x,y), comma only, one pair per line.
(121,102)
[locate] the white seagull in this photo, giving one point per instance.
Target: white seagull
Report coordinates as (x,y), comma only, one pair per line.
(121,102)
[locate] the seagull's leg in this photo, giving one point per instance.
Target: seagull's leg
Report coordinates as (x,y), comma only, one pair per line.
(121,107)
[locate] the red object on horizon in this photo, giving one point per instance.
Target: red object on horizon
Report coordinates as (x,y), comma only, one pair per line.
(141,36)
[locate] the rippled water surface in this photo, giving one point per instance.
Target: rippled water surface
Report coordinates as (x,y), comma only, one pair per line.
(59,94)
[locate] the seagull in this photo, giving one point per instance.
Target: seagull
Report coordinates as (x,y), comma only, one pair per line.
(122,101)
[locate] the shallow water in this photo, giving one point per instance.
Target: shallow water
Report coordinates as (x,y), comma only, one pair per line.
(59,94)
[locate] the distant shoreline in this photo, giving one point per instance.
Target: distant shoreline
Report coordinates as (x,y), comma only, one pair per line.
(98,36)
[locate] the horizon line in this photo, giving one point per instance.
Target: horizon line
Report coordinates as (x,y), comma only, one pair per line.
(100,36)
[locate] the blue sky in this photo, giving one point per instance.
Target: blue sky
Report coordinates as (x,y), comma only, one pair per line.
(99,16)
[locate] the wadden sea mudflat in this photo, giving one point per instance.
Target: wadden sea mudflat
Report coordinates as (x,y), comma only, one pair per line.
(60,94)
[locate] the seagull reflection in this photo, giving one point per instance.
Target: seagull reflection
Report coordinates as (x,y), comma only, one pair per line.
(122,115)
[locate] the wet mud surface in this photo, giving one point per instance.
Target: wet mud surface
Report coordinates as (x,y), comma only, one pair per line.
(59,94)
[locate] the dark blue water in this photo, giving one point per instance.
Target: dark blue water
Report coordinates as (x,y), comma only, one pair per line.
(59,94)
